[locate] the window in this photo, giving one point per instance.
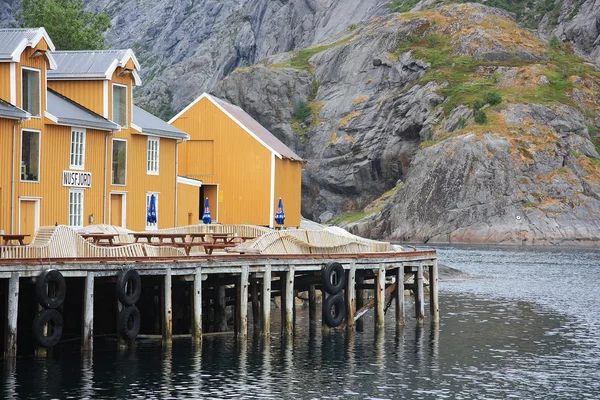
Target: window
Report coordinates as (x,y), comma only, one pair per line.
(30,156)
(153,147)
(120,104)
(151,225)
(119,161)
(31,91)
(76,208)
(77,148)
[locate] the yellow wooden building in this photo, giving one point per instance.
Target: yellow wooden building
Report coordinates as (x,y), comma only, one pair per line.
(244,168)
(74,149)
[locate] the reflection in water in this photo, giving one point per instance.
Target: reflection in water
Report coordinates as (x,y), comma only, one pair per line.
(497,338)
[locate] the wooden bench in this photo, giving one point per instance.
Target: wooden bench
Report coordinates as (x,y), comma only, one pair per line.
(209,247)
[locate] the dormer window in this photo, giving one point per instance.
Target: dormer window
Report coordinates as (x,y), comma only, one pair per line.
(32,99)
(120,105)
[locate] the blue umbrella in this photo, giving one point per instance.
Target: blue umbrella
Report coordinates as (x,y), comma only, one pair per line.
(280,215)
(206,216)
(151,217)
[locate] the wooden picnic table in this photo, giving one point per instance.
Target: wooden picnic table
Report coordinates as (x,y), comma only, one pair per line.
(171,238)
(7,238)
(100,239)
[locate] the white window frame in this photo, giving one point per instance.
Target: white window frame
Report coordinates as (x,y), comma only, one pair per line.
(39,155)
(77,153)
(76,197)
(111,162)
(152,163)
(39,115)
(126,91)
(154,226)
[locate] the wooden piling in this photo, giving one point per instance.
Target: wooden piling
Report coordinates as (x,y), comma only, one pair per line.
(168,311)
(312,307)
(87,336)
(197,298)
(434,306)
(266,301)
(380,297)
(351,296)
(255,305)
(220,304)
(10,345)
(242,303)
(360,298)
(400,305)
(289,301)
(419,299)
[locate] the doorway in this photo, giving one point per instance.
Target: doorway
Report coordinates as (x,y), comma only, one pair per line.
(29,217)
(117,209)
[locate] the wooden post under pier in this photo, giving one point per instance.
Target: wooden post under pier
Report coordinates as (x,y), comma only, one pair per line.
(10,344)
(255,304)
(197,299)
(266,301)
(87,336)
(380,297)
(434,306)
(168,311)
(312,306)
(419,298)
(400,305)
(288,321)
(360,297)
(243,303)
(351,296)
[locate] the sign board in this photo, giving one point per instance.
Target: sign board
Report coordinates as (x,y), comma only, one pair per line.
(77,179)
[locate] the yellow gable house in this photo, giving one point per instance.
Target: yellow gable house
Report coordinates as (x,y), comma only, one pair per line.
(244,168)
(77,151)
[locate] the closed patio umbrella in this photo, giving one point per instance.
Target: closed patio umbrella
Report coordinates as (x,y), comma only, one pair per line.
(280,215)
(206,216)
(151,216)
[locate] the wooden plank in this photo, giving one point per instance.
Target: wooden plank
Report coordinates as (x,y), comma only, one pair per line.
(266,301)
(88,314)
(197,299)
(243,304)
(168,310)
(380,297)
(434,306)
(419,301)
(400,304)
(10,347)
(289,301)
(350,296)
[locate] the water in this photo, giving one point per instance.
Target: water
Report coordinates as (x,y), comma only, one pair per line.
(525,326)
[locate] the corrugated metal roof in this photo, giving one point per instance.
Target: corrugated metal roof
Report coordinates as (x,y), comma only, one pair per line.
(68,112)
(152,125)
(91,64)
(14,41)
(7,110)
(256,128)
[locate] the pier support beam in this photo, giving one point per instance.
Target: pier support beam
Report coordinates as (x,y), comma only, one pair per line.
(419,299)
(400,305)
(288,320)
(168,311)
(312,307)
(255,304)
(434,306)
(351,296)
(197,298)
(266,301)
(10,345)
(242,303)
(360,298)
(380,297)
(87,336)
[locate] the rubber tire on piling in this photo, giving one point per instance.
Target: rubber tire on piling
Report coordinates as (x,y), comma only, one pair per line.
(329,271)
(40,320)
(41,289)
(131,277)
(129,322)
(334,310)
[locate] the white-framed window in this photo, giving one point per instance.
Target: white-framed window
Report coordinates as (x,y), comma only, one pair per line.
(153,152)
(77,148)
(30,155)
(31,91)
(119,161)
(151,225)
(76,208)
(120,104)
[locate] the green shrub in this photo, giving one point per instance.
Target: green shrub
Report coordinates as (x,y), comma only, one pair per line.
(493,97)
(477,104)
(480,117)
(302,112)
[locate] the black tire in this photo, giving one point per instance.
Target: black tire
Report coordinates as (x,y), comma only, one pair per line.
(334,310)
(129,322)
(51,289)
(55,327)
(333,277)
(129,287)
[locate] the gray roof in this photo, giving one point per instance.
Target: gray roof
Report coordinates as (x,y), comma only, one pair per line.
(14,41)
(91,64)
(67,112)
(257,129)
(155,126)
(7,110)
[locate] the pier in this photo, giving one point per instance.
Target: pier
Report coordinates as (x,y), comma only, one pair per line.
(191,295)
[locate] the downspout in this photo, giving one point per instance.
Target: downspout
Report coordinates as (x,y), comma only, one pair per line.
(12,179)
(105,177)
